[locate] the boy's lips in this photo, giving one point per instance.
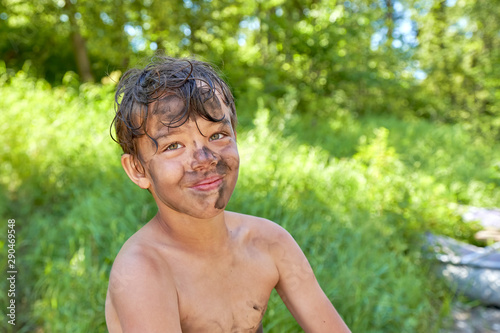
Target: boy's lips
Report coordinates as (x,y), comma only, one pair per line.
(207,184)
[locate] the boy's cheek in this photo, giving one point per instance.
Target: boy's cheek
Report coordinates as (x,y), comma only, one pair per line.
(231,155)
(232,162)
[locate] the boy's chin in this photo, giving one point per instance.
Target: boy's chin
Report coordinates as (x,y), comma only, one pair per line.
(209,214)
(204,213)
(199,206)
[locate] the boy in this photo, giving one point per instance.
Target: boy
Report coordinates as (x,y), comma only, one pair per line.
(196,267)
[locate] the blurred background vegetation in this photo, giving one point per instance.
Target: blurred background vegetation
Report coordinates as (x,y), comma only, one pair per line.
(363,124)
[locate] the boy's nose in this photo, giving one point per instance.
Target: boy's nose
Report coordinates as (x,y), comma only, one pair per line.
(203,158)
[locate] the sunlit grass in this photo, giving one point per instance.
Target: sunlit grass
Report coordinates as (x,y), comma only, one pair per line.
(355,193)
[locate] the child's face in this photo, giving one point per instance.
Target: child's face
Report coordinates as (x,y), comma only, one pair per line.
(195,168)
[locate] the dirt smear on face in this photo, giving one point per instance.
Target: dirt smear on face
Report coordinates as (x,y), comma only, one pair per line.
(222,167)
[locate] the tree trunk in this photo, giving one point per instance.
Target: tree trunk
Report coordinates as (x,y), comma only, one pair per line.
(79,48)
(390,20)
(82,59)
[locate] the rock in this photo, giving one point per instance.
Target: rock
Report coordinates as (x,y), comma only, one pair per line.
(489,218)
(488,234)
(474,319)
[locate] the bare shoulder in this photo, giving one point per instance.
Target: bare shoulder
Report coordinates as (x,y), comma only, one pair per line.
(141,290)
(258,225)
(271,237)
(135,261)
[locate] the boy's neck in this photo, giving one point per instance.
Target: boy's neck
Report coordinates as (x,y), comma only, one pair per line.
(208,236)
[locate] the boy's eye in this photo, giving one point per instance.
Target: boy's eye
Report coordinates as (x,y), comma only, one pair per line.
(216,136)
(173,146)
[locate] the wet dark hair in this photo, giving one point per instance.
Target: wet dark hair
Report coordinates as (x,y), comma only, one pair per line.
(142,93)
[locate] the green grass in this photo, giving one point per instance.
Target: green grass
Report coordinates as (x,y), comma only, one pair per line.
(357,194)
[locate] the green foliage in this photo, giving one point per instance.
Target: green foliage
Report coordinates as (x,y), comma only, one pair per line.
(326,56)
(356,193)
(460,52)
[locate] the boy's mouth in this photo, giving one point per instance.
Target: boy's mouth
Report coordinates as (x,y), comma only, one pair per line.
(208,184)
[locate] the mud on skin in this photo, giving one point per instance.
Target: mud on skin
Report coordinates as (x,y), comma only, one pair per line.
(221,168)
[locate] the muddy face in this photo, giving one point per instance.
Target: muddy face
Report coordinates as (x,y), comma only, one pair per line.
(195,168)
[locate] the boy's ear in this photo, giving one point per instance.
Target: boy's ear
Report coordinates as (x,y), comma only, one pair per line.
(135,171)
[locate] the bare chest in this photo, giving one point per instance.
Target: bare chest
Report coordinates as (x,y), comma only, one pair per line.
(226,296)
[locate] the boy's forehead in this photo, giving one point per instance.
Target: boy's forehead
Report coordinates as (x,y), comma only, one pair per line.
(170,111)
(168,106)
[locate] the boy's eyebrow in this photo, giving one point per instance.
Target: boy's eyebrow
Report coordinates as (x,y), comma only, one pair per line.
(172,130)
(165,133)
(224,122)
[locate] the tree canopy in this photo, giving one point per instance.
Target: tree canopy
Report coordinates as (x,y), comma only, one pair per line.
(427,58)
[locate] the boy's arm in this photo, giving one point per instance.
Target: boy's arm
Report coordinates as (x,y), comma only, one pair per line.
(143,298)
(300,291)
